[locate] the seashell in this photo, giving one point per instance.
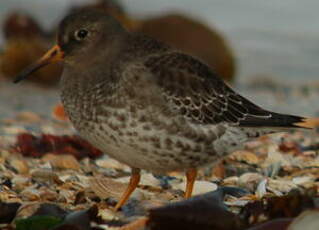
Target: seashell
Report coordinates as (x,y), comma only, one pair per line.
(20,165)
(274,191)
(67,177)
(4,155)
(9,196)
(250,181)
(65,162)
(106,214)
(245,156)
(281,185)
(65,196)
(20,182)
(147,179)
(200,187)
(48,195)
(106,187)
(261,188)
(48,157)
(30,194)
(303,180)
(275,157)
(314,163)
(309,153)
(273,169)
(233,180)
(83,180)
(237,203)
(107,162)
(46,166)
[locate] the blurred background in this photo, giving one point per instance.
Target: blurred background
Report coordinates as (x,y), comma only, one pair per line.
(266,49)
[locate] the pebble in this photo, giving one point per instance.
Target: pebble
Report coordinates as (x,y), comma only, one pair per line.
(45,176)
(63,161)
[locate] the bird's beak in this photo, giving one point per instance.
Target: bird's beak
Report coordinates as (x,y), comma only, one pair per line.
(55,54)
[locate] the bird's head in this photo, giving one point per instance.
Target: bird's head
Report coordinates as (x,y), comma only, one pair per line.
(80,37)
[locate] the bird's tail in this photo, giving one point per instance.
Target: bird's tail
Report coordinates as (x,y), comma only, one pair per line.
(308,123)
(281,121)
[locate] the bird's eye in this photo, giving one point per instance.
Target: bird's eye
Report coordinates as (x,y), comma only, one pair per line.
(81,34)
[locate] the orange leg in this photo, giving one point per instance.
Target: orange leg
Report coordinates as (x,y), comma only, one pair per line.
(191,177)
(135,179)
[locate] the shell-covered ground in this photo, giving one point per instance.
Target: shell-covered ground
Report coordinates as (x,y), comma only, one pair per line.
(52,179)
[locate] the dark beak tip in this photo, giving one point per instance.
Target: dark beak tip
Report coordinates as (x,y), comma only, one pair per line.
(28,71)
(16,81)
(21,76)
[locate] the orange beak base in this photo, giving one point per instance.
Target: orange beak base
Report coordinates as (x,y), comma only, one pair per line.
(55,54)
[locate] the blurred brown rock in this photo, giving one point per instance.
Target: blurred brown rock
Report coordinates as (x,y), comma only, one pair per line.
(25,43)
(20,24)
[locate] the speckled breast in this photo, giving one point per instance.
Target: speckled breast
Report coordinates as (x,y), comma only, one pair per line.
(144,137)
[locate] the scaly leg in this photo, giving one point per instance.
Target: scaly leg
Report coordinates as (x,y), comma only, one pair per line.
(191,177)
(134,180)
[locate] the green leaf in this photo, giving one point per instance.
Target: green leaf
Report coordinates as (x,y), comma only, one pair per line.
(37,223)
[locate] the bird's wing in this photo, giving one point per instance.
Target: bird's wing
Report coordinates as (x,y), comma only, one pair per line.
(192,89)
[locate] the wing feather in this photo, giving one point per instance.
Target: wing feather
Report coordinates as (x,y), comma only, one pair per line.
(192,89)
